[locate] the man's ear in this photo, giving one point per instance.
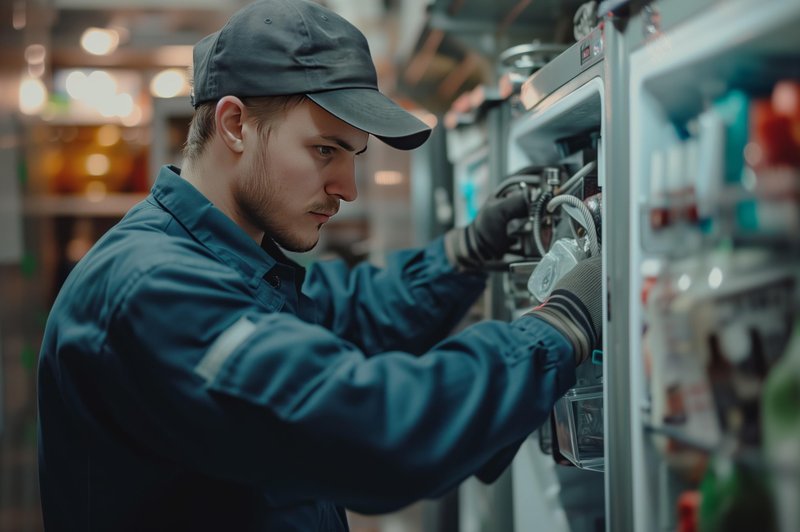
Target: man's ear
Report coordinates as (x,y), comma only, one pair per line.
(229,120)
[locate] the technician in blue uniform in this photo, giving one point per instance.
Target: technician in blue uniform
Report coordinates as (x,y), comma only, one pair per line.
(194,378)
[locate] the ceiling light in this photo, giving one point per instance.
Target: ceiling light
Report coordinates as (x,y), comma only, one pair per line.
(134,118)
(388,177)
(36,70)
(96,191)
(169,83)
(35,53)
(97,164)
(76,84)
(19,16)
(32,96)
(99,41)
(108,135)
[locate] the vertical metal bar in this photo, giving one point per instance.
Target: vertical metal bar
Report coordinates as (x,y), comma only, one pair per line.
(619,402)
(498,123)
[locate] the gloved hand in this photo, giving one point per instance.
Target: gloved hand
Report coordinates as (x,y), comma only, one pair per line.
(485,239)
(575,307)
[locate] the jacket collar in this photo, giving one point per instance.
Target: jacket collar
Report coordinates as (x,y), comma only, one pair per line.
(212,228)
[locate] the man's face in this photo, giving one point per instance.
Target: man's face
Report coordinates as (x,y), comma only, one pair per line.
(297,174)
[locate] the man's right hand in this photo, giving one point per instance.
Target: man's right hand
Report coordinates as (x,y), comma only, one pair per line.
(575,307)
(486,239)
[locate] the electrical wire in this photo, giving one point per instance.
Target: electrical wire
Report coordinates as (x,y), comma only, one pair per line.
(537,209)
(529,180)
(580,174)
(587,222)
(547,201)
(544,200)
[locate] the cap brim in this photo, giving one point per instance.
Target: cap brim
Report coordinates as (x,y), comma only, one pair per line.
(371,111)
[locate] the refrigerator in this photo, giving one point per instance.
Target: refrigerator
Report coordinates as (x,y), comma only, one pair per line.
(683,120)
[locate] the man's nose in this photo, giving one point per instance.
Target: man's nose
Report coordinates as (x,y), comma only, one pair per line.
(343,182)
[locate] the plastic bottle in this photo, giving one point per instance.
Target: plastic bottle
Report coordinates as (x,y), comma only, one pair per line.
(781,430)
(734,498)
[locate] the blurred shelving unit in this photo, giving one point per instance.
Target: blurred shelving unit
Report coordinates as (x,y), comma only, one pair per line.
(112,205)
(713,261)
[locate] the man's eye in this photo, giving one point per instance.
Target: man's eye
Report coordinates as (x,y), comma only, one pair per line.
(325,151)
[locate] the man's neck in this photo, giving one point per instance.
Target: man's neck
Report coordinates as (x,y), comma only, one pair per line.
(214,184)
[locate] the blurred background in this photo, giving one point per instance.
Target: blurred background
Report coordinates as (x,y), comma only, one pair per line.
(662,134)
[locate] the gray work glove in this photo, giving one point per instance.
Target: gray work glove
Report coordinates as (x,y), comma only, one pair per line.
(575,307)
(486,238)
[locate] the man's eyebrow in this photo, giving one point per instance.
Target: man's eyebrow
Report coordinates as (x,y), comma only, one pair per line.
(342,143)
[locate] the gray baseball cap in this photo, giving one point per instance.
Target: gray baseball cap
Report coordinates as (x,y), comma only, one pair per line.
(287,47)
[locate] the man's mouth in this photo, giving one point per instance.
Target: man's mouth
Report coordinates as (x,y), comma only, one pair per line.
(322,217)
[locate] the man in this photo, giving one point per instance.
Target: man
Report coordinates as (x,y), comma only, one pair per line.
(194,378)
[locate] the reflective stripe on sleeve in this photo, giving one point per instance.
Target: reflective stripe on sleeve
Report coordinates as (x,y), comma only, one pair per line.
(221,349)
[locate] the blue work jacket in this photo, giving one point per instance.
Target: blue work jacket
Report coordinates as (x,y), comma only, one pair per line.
(192,380)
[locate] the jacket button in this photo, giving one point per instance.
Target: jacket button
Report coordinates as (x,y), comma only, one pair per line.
(274,280)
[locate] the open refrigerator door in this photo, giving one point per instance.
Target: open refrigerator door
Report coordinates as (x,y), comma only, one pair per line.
(715,219)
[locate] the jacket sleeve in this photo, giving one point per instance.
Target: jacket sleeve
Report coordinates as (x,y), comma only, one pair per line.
(408,305)
(193,372)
